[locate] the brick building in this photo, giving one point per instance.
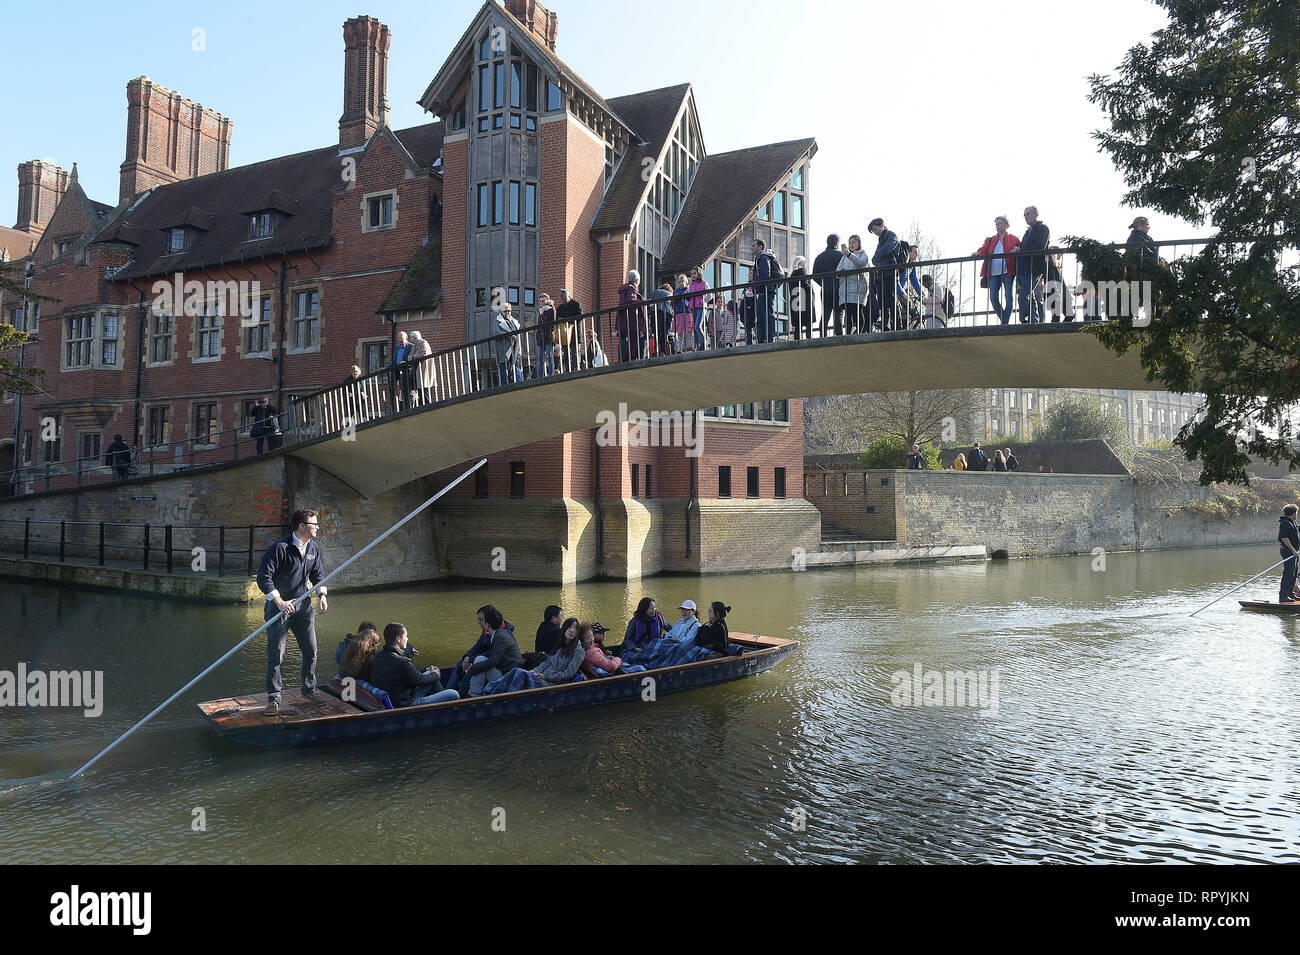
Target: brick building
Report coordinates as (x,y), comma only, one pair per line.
(526,181)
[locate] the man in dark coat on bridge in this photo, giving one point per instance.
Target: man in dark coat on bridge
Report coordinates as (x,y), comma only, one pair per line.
(977,460)
(119,458)
(290,567)
(828,262)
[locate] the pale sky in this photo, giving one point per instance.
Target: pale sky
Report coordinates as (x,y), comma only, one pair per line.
(932,111)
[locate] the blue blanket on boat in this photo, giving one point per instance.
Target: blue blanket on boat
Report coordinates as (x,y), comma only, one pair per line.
(516,679)
(665,652)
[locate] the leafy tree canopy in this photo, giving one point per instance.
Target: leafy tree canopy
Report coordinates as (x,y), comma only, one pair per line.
(1204,124)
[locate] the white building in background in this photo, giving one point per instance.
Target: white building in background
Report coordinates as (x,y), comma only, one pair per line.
(1018,414)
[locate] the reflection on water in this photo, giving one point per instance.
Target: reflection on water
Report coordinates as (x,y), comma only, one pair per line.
(1124,730)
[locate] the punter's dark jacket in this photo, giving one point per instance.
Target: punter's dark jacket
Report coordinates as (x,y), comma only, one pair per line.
(288,573)
(394,673)
(1287,531)
(504,654)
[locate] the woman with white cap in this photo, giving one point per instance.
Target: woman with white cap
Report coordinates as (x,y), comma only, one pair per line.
(685,628)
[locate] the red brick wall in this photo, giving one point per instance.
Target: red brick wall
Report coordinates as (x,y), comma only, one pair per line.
(169,138)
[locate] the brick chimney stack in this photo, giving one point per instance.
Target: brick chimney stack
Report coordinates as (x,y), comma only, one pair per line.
(542,23)
(169,138)
(365,80)
(40,187)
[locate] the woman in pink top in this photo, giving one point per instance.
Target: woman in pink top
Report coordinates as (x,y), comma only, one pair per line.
(698,286)
(596,656)
(682,316)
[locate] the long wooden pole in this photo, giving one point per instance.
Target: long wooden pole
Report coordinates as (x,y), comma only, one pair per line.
(242,643)
(1235,589)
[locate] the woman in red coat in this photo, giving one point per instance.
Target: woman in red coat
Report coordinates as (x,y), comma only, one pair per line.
(998,274)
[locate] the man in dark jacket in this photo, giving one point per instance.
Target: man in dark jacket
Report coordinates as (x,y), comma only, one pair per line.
(266,425)
(1031,270)
(570,308)
(884,294)
(630,322)
(914,460)
(1288,535)
(404,682)
(549,634)
(118,458)
(290,567)
(502,656)
(766,282)
(829,261)
(1012,463)
(977,460)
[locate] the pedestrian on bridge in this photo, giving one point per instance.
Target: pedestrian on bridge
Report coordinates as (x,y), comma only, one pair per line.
(889,253)
(1031,270)
(569,333)
(801,306)
(510,362)
(697,288)
(545,332)
(977,460)
(118,458)
(630,321)
(824,265)
(998,274)
(422,371)
(854,288)
(767,276)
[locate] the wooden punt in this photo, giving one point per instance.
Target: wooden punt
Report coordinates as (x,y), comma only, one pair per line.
(1268,606)
(323,718)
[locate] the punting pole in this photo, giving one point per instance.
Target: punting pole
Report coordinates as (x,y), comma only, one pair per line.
(307,596)
(1235,589)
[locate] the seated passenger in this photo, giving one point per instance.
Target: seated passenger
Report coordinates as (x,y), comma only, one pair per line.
(359,657)
(502,655)
(714,634)
(395,674)
(685,628)
(595,655)
(459,677)
(646,625)
(362,627)
(549,632)
(563,663)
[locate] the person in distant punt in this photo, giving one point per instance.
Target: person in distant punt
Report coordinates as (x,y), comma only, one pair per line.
(685,628)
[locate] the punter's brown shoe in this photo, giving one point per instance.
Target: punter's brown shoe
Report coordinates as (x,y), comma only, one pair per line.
(272,708)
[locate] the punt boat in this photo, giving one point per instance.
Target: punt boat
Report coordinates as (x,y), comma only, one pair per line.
(325,717)
(1268,606)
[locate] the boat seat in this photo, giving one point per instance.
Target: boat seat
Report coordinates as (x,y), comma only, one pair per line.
(368,697)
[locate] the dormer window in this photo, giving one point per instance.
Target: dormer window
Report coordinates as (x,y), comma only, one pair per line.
(61,247)
(178,239)
(380,211)
(260,225)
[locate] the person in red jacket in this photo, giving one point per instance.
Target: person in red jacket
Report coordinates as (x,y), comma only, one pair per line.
(998,275)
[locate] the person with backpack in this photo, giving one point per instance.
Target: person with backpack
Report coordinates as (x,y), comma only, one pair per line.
(767,277)
(937,303)
(889,254)
(977,460)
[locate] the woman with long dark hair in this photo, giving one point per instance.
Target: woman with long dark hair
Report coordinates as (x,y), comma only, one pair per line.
(359,655)
(714,635)
(646,625)
(565,660)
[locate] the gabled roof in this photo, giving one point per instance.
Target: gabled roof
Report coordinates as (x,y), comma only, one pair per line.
(729,187)
(436,98)
(16,244)
(652,116)
(420,285)
(304,182)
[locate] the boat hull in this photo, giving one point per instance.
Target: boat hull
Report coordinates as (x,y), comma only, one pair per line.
(1267,606)
(325,719)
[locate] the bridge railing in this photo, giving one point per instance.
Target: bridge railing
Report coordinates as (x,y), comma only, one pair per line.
(160,453)
(199,548)
(919,295)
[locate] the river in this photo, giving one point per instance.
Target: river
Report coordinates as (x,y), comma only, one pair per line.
(1121,729)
